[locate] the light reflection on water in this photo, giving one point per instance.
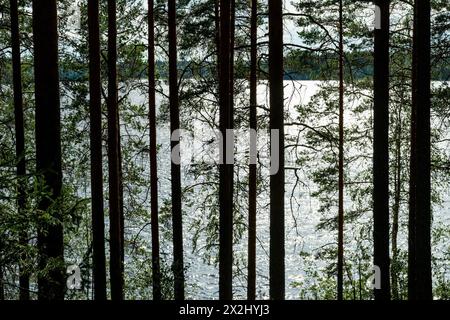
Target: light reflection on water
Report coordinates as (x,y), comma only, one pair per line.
(301,234)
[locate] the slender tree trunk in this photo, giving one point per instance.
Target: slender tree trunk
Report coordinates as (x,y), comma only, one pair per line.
(24,278)
(422,280)
(225,169)
(217,33)
(156,270)
(116,275)
(251,282)
(381,152)
(277,188)
(2,287)
(121,206)
(360,283)
(48,146)
(177,218)
(412,181)
(232,41)
(396,209)
(340,264)
(95,108)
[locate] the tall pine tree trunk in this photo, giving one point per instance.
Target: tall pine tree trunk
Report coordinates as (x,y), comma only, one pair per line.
(177,219)
(217,33)
(225,169)
(95,109)
(420,278)
(423,151)
(116,275)
(381,152)
(396,207)
(251,277)
(24,278)
(156,272)
(340,264)
(277,189)
(412,181)
(121,205)
(2,287)
(48,147)
(232,41)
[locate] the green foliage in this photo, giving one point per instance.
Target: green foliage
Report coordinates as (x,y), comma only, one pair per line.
(319,118)
(312,146)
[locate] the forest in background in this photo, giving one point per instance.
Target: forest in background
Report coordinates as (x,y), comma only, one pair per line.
(298,65)
(81,184)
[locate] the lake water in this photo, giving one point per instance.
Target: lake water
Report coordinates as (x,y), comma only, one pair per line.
(301,210)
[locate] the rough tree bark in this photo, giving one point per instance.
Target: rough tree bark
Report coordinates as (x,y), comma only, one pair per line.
(340,262)
(156,270)
(396,206)
(277,188)
(24,278)
(2,287)
(381,151)
(225,169)
(116,275)
(412,182)
(420,279)
(95,110)
(251,277)
(177,218)
(48,147)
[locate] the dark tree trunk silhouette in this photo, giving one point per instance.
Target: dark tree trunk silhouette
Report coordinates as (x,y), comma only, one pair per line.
(232,41)
(277,189)
(116,275)
(95,111)
(177,219)
(121,206)
(340,264)
(420,279)
(225,169)
(2,287)
(217,33)
(48,146)
(251,277)
(24,278)
(396,206)
(156,272)
(381,151)
(412,184)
